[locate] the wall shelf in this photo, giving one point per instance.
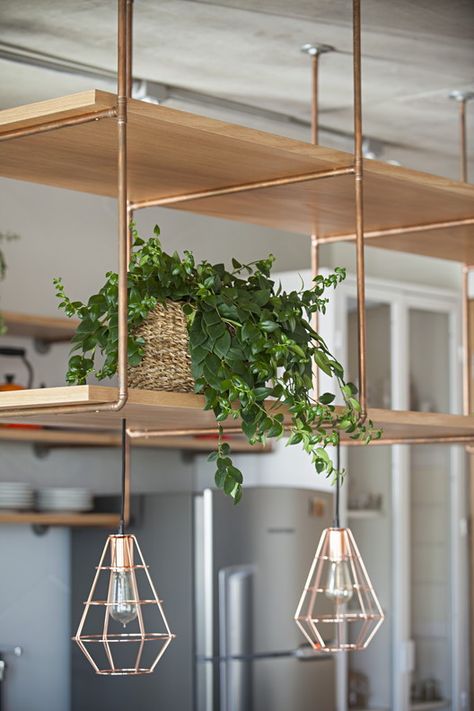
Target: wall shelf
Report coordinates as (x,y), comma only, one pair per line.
(26,518)
(197,154)
(55,437)
(45,328)
(364,514)
(177,411)
(429,705)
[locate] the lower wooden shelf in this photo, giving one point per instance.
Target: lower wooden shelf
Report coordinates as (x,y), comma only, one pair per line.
(49,329)
(429,705)
(25,518)
(181,412)
(55,437)
(364,514)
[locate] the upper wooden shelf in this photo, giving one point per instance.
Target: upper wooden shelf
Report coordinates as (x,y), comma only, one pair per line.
(43,328)
(173,153)
(176,411)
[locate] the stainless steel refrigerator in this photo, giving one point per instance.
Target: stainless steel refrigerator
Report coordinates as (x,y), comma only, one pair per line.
(251,563)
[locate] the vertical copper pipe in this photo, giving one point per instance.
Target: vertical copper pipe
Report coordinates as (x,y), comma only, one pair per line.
(315,319)
(359,205)
(314,237)
(466,355)
(129,52)
(463,139)
(315,99)
(124,8)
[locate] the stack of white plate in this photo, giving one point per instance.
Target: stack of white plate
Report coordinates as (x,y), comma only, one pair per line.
(64,499)
(16,496)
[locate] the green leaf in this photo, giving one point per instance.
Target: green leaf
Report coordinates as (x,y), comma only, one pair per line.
(269,326)
(326,398)
(222,344)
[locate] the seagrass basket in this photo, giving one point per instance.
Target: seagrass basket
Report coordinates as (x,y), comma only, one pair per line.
(166,364)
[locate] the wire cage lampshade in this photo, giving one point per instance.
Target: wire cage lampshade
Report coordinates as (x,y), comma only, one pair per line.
(123,628)
(338,610)
(114,651)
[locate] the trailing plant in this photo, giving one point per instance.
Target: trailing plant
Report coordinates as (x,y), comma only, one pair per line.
(252,348)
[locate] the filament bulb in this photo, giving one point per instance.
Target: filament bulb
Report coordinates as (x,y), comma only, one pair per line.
(123,606)
(339,583)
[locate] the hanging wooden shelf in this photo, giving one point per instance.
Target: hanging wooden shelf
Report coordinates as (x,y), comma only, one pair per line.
(26,518)
(56,437)
(172,153)
(174,412)
(44,328)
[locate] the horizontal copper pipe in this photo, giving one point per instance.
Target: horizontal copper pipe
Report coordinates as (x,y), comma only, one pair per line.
(243,187)
(145,434)
(58,123)
(388,441)
(385,441)
(392,231)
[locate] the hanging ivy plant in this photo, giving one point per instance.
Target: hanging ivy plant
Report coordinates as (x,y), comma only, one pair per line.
(252,348)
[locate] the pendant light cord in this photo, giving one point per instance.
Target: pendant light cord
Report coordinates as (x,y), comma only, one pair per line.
(124,475)
(337,522)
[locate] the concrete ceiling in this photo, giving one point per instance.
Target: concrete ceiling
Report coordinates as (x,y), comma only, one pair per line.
(414,53)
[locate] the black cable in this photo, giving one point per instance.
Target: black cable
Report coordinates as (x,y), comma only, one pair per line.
(337,522)
(124,474)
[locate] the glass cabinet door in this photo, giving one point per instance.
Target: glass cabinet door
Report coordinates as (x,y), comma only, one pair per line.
(369,504)
(429,368)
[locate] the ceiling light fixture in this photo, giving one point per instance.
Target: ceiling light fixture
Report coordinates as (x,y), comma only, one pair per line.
(338,610)
(114,602)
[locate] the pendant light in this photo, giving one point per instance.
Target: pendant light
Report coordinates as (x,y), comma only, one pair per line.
(124,645)
(338,610)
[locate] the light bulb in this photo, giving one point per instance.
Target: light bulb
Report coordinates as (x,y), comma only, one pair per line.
(339,583)
(123,607)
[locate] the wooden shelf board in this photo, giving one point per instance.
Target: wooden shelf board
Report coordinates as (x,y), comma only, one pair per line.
(56,437)
(429,705)
(25,518)
(44,328)
(167,411)
(174,152)
(363,514)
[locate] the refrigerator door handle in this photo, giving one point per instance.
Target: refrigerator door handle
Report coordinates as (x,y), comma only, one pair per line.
(236,637)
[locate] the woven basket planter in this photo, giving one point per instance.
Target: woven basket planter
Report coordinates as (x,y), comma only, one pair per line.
(166,364)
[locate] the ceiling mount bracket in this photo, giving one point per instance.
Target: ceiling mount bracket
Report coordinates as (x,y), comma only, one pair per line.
(314,49)
(464,96)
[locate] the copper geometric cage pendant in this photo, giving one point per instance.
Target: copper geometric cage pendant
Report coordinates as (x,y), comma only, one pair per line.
(338,610)
(114,602)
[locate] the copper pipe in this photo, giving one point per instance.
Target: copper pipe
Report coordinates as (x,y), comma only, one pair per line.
(58,123)
(315,319)
(393,231)
(123,66)
(466,366)
(436,439)
(359,206)
(463,141)
(243,187)
(129,49)
(234,429)
(314,237)
(315,99)
(145,434)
